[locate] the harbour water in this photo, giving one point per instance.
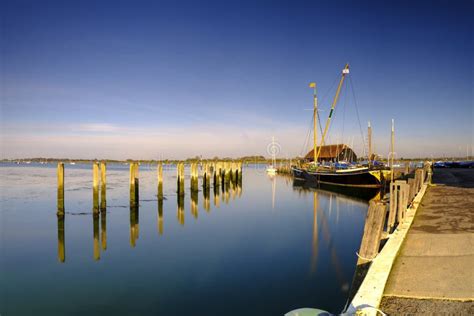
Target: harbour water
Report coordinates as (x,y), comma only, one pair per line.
(263,248)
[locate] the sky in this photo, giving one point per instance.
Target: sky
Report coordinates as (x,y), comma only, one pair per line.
(177,79)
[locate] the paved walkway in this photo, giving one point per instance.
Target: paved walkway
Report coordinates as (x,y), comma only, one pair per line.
(436,262)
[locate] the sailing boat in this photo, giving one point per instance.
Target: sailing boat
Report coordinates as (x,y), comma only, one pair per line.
(352,177)
(271,170)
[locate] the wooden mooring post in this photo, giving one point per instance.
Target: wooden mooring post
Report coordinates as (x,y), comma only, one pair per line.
(206,177)
(374,223)
(227,172)
(412,189)
(194,177)
(159,171)
(216,174)
(399,194)
(419,178)
(95,187)
(180,178)
(60,172)
(103,186)
(134,184)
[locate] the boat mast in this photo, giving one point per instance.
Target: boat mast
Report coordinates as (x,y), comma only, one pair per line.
(392,150)
(315,122)
(369,133)
(345,71)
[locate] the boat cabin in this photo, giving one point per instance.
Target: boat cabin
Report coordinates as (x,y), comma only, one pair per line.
(333,153)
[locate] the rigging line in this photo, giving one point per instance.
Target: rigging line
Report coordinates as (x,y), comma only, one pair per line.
(358,118)
(308,134)
(317,114)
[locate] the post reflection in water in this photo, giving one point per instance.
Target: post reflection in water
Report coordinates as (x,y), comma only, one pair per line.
(206,192)
(134,226)
(216,196)
(180,211)
(194,203)
(103,228)
(95,220)
(61,241)
(160,216)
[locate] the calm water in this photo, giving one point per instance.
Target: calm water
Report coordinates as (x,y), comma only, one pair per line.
(264,248)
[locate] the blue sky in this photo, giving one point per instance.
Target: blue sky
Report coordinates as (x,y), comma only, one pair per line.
(173,79)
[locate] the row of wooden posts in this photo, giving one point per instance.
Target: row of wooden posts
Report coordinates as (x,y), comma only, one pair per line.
(222,174)
(379,224)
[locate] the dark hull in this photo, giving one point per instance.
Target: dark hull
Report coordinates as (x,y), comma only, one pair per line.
(360,184)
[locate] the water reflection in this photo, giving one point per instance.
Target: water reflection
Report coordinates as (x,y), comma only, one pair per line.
(206,201)
(194,203)
(103,228)
(314,248)
(321,225)
(61,242)
(95,220)
(180,210)
(160,217)
(134,225)
(216,196)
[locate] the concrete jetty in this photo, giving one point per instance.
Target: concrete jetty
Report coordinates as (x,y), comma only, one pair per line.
(434,271)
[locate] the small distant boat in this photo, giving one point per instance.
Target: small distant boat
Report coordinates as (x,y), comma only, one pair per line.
(271,170)
(72,163)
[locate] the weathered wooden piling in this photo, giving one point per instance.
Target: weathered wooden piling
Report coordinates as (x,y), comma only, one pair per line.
(419,178)
(403,192)
(61,240)
(60,172)
(194,177)
(134,184)
(95,220)
(103,186)
(216,174)
(373,228)
(393,206)
(95,187)
(160,181)
(180,178)
(412,189)
(206,178)
(227,172)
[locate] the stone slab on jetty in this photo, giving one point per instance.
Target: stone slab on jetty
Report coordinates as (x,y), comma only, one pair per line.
(434,271)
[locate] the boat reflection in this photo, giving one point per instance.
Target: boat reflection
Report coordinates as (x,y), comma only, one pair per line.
(321,227)
(365,194)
